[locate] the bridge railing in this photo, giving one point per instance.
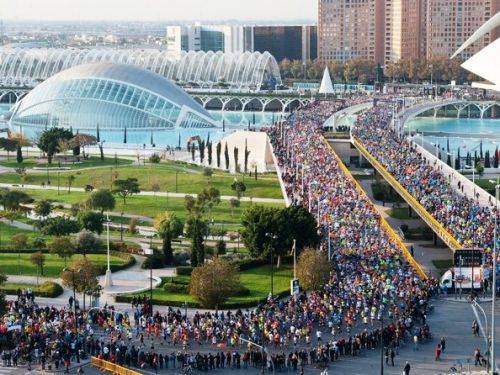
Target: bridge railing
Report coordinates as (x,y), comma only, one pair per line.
(383,223)
(111,367)
(436,226)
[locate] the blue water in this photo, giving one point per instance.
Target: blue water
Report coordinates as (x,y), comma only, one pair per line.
(233,120)
(473,133)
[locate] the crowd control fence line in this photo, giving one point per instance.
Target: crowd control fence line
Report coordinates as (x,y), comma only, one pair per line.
(436,226)
(111,367)
(383,223)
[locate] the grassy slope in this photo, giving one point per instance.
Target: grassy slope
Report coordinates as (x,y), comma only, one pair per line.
(93,161)
(190,179)
(53,264)
(149,205)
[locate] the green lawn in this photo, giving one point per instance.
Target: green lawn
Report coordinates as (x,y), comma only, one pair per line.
(257,280)
(400,213)
(93,161)
(150,206)
(190,179)
(14,264)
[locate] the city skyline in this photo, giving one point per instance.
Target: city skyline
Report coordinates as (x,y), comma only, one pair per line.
(151,10)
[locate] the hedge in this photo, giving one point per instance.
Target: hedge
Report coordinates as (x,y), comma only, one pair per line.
(130,261)
(48,289)
(227,305)
(184,270)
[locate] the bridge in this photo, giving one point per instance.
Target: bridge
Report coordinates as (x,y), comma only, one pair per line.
(251,101)
(471,188)
(216,100)
(459,107)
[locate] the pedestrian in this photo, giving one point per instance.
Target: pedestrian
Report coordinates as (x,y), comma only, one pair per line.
(477,357)
(438,352)
(443,344)
(392,354)
(407,368)
(415,342)
(387,355)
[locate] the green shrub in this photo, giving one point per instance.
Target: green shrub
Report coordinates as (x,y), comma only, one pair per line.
(184,270)
(176,288)
(48,289)
(154,261)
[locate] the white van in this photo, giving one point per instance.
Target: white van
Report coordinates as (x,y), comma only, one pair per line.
(463,278)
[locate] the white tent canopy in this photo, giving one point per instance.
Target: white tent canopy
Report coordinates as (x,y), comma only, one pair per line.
(326,86)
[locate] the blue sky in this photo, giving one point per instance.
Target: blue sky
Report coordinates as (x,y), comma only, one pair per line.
(158,10)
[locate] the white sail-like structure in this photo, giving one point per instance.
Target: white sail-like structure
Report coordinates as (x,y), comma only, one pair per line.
(326,86)
(483,62)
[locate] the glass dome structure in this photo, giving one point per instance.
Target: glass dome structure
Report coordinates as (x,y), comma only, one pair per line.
(108,97)
(247,70)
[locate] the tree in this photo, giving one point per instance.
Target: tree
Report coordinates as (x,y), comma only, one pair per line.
(39,243)
(86,241)
(218,149)
(479,168)
(196,229)
(3,302)
(19,241)
(126,188)
(102,200)
(487,159)
(234,203)
(19,154)
(13,199)
(201,147)
(209,152)
(496,157)
(313,269)
(265,228)
(226,156)
(239,188)
(193,150)
(50,140)
(302,227)
(92,221)
(247,154)
(71,179)
(9,145)
(43,208)
(62,247)
(169,227)
(155,158)
(212,284)
(82,276)
(208,172)
(38,260)
(236,162)
(82,140)
(59,226)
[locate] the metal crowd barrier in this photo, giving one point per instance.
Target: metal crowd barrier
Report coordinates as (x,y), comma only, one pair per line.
(436,226)
(113,368)
(383,223)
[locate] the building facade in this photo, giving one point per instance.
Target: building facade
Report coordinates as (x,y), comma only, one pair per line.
(349,29)
(402,33)
(449,23)
(283,42)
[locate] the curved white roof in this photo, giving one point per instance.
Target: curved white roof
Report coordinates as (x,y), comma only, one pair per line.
(29,66)
(129,75)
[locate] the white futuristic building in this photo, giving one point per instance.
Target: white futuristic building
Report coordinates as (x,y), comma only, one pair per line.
(105,97)
(484,63)
(30,66)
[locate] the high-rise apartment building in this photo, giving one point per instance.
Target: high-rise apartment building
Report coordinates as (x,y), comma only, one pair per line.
(402,33)
(349,29)
(449,23)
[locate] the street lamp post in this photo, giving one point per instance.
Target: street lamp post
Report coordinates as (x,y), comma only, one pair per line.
(108,281)
(494,286)
(382,346)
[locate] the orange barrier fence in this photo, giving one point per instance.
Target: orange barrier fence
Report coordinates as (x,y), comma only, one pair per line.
(111,367)
(436,226)
(383,223)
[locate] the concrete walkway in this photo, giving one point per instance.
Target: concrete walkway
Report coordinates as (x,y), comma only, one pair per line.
(147,193)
